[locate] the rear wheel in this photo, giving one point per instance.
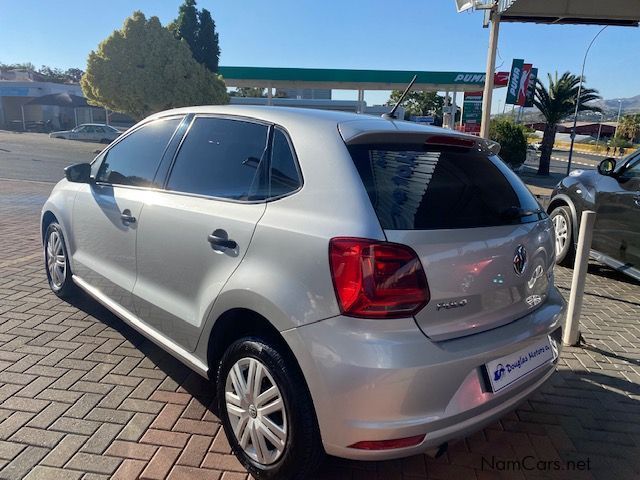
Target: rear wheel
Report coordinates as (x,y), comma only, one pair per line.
(563,228)
(56,261)
(267,412)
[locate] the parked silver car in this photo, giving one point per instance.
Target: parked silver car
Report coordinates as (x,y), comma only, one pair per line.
(89,132)
(353,285)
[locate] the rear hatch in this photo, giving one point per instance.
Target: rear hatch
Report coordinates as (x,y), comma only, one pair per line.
(485,244)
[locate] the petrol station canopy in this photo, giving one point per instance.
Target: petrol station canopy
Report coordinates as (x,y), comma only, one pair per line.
(595,12)
(345,79)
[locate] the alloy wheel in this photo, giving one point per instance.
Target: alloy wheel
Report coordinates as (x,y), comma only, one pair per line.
(562,232)
(56,260)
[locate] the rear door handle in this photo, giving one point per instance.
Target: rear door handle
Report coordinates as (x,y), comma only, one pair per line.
(217,241)
(126,216)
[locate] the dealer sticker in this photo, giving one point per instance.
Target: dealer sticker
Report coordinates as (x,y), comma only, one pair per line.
(509,369)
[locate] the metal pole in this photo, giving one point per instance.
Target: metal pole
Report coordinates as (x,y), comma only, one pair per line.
(575,116)
(571,334)
(615,135)
(599,132)
(360,101)
(487,96)
(269,96)
(446,117)
(75,115)
(454,108)
(24,124)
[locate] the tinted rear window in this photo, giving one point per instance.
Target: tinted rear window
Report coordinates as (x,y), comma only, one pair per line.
(418,187)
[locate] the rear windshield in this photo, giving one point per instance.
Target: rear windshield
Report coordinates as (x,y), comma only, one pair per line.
(422,187)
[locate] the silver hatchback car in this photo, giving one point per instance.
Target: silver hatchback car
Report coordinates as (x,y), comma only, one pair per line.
(353,285)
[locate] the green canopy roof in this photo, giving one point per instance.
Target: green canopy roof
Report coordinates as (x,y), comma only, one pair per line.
(347,79)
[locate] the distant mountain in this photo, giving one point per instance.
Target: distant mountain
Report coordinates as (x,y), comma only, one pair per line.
(629,105)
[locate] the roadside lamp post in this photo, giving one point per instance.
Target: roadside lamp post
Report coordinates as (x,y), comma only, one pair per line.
(615,135)
(575,116)
(599,131)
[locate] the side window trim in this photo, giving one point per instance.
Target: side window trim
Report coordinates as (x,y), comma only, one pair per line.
(102,155)
(238,118)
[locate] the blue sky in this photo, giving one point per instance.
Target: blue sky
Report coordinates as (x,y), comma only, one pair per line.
(374,34)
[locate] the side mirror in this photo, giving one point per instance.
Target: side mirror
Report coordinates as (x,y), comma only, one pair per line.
(607,167)
(78,173)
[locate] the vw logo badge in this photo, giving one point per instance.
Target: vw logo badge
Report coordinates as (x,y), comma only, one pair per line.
(520,260)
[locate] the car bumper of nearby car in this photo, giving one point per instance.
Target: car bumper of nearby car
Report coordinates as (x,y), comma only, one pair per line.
(374,380)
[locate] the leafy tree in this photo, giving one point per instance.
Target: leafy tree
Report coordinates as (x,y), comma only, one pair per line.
(142,69)
(512,139)
(199,31)
(186,25)
(208,49)
(419,103)
(248,92)
(557,103)
(629,128)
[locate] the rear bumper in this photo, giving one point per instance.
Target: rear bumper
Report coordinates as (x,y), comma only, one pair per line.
(383,379)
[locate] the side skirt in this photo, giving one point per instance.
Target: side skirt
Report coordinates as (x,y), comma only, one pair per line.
(156,337)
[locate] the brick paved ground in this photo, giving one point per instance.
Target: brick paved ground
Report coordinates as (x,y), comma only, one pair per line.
(83,396)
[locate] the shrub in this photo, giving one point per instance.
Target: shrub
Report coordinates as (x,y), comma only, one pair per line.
(512,140)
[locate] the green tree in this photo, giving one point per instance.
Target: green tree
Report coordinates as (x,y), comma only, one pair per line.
(629,128)
(419,103)
(142,69)
(208,49)
(198,29)
(557,103)
(186,26)
(512,139)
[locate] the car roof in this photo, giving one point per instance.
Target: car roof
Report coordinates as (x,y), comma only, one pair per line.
(349,124)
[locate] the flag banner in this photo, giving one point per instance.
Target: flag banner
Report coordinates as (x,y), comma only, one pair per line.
(514,81)
(524,84)
(533,76)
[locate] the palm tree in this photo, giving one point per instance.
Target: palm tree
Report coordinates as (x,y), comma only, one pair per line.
(556,104)
(629,127)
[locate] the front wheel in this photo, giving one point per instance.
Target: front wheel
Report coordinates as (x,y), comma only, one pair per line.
(266,412)
(56,261)
(563,229)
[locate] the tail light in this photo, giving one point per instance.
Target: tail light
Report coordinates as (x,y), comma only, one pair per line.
(377,279)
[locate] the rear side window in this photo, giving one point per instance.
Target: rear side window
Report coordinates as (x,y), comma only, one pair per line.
(222,158)
(419,187)
(135,159)
(285,177)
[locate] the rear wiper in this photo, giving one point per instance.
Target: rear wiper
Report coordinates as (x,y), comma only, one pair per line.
(512,213)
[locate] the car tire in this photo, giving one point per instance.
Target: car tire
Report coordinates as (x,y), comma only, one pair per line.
(563,235)
(56,262)
(299,448)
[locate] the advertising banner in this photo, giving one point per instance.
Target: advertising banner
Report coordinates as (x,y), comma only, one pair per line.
(514,81)
(524,84)
(472,108)
(532,87)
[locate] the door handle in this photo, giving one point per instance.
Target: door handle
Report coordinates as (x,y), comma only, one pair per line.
(217,241)
(126,216)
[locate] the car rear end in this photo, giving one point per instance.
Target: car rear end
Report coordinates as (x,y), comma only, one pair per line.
(452,319)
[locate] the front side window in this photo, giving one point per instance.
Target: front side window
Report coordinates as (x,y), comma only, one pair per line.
(285,177)
(222,158)
(134,160)
(633,170)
